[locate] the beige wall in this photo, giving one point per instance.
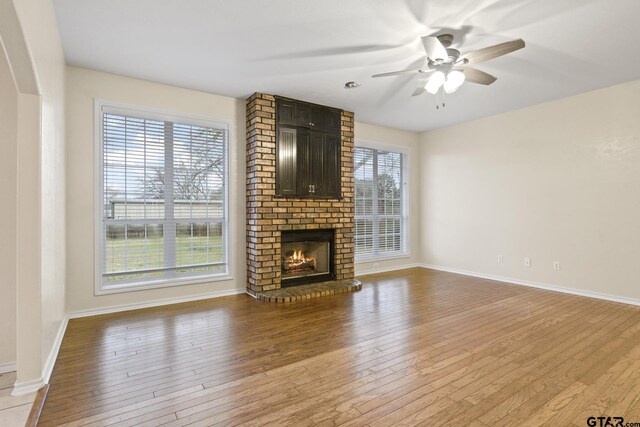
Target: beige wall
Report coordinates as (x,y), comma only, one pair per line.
(83,86)
(559,181)
(8,200)
(378,135)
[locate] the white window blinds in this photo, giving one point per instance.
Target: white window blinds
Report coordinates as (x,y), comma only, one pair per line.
(164,200)
(380,202)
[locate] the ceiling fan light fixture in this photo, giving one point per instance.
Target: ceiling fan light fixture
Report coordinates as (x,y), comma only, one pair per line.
(454,80)
(436,80)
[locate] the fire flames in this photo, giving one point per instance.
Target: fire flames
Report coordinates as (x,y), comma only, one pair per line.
(299,262)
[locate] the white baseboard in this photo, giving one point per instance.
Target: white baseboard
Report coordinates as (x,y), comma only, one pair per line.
(26,387)
(53,354)
(385,269)
(7,367)
(154,303)
(572,291)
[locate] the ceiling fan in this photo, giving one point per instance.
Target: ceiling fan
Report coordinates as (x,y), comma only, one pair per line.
(446,68)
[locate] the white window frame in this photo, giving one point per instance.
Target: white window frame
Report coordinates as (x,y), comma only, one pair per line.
(405,200)
(102,106)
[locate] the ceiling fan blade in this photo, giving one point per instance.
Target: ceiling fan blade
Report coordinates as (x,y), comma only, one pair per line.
(491,52)
(476,76)
(434,48)
(422,81)
(419,90)
(397,73)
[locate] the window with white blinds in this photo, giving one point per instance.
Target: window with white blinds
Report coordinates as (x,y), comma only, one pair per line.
(381,203)
(164,199)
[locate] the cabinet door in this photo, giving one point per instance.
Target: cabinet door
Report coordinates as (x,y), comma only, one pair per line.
(303,114)
(317,118)
(286,162)
(316,159)
(303,163)
(331,171)
(332,122)
(286,112)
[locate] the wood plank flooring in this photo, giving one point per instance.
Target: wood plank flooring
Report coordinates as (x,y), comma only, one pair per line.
(414,347)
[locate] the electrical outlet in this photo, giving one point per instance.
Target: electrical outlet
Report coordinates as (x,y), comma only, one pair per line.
(556,265)
(500,258)
(527,262)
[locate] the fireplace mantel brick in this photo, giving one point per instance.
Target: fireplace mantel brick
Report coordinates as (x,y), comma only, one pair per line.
(268,215)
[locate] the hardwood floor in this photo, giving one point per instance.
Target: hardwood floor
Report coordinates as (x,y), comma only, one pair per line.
(414,347)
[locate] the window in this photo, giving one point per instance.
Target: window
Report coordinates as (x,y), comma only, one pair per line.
(164,200)
(381,203)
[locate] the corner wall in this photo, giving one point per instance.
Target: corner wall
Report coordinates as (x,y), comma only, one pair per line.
(35,54)
(559,181)
(41,31)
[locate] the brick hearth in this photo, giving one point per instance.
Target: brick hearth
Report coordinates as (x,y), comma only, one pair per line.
(268,215)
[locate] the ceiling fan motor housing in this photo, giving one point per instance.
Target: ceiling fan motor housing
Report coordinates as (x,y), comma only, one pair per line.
(445,66)
(445,39)
(454,54)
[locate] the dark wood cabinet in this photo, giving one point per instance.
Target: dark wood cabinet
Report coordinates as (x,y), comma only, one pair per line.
(307,150)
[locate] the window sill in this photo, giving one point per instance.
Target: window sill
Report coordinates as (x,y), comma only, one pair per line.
(159,284)
(376,258)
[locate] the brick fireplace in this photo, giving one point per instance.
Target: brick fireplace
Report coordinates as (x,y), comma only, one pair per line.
(268,215)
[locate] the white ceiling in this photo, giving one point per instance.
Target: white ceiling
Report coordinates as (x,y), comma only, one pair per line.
(308,49)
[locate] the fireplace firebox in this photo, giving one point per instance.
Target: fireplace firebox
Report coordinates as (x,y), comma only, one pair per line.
(307,257)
